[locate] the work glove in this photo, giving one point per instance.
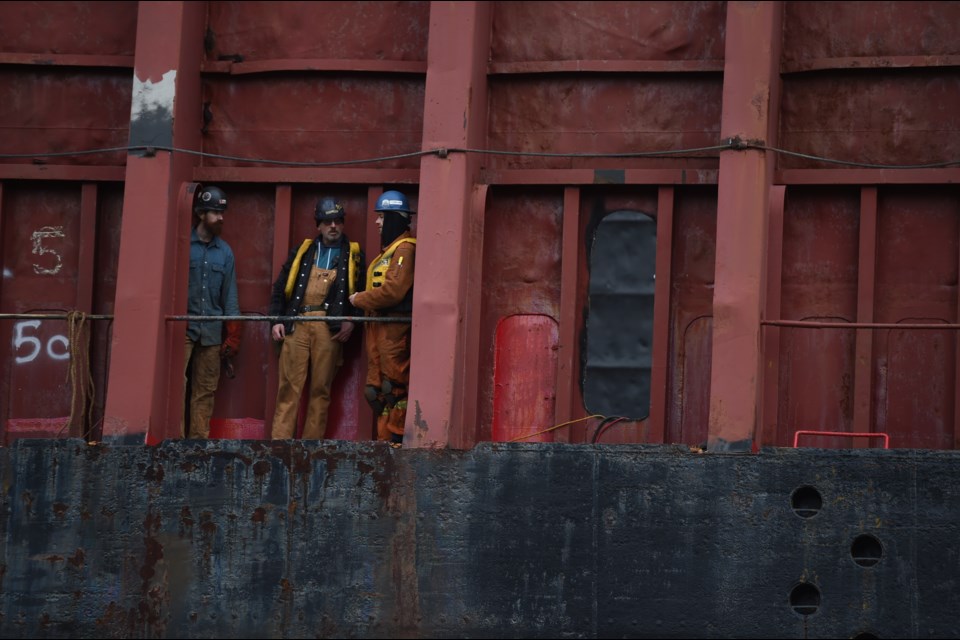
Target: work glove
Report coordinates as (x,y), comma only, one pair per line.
(232,330)
(230,347)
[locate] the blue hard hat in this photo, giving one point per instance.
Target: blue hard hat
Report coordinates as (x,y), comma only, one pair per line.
(393,201)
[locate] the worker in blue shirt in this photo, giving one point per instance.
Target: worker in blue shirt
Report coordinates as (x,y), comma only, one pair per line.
(212,292)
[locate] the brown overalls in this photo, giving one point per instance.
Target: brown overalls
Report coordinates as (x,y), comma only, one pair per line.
(309,346)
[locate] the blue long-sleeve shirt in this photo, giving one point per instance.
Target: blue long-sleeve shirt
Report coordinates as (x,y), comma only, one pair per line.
(213,288)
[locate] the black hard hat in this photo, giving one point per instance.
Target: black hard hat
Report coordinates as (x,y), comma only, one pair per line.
(211,199)
(328,209)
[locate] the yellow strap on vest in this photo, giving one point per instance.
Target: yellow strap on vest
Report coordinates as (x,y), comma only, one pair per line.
(352,267)
(295,267)
(385,257)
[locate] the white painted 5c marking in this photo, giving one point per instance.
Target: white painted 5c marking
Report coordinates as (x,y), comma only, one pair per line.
(34,345)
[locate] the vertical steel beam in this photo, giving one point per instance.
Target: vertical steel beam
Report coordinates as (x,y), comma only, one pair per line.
(867,276)
(659,384)
(956,369)
(88,247)
(5,346)
(282,241)
(86,264)
(473,283)
(366,421)
(750,95)
(448,255)
(145,384)
(568,402)
(3,243)
(771,336)
(956,378)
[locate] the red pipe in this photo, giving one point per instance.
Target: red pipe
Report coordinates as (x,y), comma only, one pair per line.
(845,434)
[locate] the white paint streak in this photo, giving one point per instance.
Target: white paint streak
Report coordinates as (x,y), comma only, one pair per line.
(64,353)
(153,96)
(19,340)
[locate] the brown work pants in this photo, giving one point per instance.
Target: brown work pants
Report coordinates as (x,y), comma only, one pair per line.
(308,347)
(391,421)
(204,377)
(388,356)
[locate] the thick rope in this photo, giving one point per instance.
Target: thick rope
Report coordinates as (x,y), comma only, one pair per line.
(78,373)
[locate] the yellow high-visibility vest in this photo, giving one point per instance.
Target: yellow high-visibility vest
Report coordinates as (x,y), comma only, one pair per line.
(377,271)
(352,265)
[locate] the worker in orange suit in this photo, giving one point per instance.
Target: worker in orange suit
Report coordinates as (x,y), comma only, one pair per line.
(212,291)
(316,280)
(389,293)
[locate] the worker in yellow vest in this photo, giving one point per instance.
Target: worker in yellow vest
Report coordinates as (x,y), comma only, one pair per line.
(316,280)
(389,293)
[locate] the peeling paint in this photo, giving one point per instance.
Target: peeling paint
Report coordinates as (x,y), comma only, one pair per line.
(151,111)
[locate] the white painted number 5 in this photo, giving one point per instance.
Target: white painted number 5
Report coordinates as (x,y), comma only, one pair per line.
(38,236)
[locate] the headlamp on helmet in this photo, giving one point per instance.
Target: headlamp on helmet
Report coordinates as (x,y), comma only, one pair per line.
(211,199)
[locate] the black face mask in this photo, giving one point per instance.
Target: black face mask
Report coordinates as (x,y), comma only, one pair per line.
(394,226)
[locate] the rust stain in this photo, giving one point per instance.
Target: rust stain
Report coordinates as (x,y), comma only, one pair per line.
(152,554)
(154,473)
(382,473)
(153,550)
(298,461)
(78,559)
(261,468)
(301,461)
(331,458)
(418,422)
(259,515)
(150,609)
(403,559)
(114,617)
(60,509)
(186,522)
(207,525)
(365,468)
